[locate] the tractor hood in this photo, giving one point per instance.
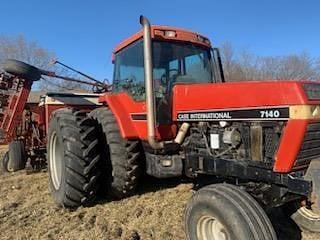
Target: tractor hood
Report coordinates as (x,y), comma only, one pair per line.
(239,100)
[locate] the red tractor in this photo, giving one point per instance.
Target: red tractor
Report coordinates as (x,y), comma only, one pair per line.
(170,113)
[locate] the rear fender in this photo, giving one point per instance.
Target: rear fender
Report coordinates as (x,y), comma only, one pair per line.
(123,106)
(132,118)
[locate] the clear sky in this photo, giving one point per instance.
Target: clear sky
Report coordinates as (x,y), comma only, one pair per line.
(83,33)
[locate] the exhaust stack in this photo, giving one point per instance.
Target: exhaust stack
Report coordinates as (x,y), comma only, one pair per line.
(148,75)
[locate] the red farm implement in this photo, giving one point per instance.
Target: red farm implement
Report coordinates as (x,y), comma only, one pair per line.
(24,124)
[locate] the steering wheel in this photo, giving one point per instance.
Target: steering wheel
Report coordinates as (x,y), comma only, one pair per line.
(172,78)
(174,70)
(164,76)
(130,79)
(128,82)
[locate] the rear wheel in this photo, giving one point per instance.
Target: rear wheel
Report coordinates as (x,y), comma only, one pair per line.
(73,158)
(222,212)
(121,158)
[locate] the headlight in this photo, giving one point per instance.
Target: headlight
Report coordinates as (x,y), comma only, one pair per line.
(312,90)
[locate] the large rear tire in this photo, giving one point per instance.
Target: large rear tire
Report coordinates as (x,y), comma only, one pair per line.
(121,157)
(223,211)
(73,158)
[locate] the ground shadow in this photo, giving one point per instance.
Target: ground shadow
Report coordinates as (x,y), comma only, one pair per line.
(284,226)
(147,184)
(151,184)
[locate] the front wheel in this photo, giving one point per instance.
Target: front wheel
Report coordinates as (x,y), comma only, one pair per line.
(223,212)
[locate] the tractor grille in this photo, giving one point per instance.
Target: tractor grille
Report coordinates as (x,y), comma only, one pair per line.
(310,148)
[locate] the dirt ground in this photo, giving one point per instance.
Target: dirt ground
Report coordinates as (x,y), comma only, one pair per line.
(156,213)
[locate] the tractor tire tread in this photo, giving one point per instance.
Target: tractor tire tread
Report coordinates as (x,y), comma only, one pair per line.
(81,157)
(124,155)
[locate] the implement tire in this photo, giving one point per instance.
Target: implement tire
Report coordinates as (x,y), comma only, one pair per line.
(4,162)
(73,158)
(21,69)
(120,158)
(308,217)
(16,157)
(224,211)
(304,217)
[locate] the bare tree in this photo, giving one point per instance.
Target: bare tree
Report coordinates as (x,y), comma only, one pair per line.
(20,49)
(317,68)
(30,52)
(297,67)
(227,54)
(245,65)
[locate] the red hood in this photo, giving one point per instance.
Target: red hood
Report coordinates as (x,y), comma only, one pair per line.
(238,95)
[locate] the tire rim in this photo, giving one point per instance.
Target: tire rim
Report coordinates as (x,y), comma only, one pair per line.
(210,228)
(55,160)
(309,213)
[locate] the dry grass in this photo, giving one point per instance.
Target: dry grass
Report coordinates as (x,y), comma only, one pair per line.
(27,211)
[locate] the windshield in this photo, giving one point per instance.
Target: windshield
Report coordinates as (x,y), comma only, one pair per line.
(172,63)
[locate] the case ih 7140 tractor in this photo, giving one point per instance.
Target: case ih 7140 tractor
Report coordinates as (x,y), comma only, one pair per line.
(171,114)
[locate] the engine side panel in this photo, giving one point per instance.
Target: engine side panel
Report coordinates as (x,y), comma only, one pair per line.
(250,102)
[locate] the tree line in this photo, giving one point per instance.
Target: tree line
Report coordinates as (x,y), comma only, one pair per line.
(31,52)
(245,65)
(238,65)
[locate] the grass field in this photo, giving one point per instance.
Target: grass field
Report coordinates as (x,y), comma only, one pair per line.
(27,211)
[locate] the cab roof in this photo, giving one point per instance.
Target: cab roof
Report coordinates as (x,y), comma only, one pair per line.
(167,33)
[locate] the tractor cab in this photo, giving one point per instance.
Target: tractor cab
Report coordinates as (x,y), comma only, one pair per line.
(177,57)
